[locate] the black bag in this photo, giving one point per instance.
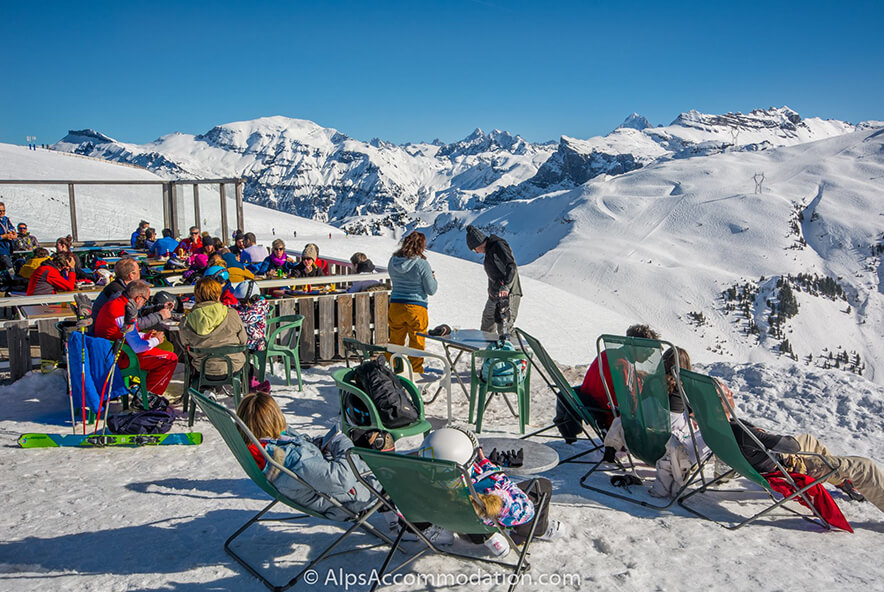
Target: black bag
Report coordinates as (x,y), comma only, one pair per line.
(389,396)
(141,422)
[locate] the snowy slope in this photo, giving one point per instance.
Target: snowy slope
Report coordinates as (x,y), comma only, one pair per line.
(658,243)
(156,518)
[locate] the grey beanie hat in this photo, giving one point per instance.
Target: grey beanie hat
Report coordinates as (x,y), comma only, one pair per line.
(310,251)
(475,237)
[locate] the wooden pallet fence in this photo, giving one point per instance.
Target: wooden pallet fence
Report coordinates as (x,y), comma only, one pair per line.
(329,319)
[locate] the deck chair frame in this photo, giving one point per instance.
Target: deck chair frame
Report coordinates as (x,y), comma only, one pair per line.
(359,521)
(692,394)
(519,567)
(697,471)
(546,367)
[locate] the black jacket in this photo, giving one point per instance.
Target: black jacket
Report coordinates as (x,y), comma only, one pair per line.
(500,265)
(114,290)
(773,442)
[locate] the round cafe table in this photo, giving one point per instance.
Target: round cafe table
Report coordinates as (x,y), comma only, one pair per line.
(538,457)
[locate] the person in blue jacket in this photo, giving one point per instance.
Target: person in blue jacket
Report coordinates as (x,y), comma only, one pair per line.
(413,282)
(321,462)
(7,236)
(164,247)
(142,227)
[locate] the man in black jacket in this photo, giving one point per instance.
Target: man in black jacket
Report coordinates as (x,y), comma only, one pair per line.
(126,271)
(504,288)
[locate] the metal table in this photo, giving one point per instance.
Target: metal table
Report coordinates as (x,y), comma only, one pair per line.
(464,341)
(538,457)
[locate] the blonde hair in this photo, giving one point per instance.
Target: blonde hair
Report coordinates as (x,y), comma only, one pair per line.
(493,506)
(207,288)
(218,260)
(261,414)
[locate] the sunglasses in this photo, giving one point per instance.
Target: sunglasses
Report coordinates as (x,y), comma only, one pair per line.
(194,234)
(280,249)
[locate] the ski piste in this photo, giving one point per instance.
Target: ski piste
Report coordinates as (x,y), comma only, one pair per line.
(102,440)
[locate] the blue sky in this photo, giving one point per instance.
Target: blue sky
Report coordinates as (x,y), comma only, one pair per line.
(418,70)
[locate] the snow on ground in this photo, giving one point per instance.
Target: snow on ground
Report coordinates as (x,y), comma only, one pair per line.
(155,518)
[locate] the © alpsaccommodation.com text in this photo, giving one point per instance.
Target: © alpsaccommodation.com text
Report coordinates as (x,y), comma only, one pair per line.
(341,579)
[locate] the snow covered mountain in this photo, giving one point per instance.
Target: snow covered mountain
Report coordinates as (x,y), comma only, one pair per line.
(300,167)
(635,144)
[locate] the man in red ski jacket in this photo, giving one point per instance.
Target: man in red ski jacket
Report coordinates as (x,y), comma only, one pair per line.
(117,320)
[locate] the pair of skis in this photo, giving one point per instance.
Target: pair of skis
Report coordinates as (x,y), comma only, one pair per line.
(103,440)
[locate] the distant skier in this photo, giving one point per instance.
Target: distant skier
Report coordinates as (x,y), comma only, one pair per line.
(295,232)
(273,230)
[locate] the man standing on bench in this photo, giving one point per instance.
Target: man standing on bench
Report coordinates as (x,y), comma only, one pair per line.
(504,287)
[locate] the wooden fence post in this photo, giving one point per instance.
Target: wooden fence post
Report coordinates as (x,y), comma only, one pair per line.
(75,234)
(345,321)
(381,323)
(308,329)
(326,327)
(363,317)
(50,341)
(196,206)
(19,340)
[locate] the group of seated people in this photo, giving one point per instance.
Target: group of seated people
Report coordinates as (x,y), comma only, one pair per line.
(858,477)
(322,463)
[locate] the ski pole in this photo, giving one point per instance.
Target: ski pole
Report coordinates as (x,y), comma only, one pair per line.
(70,389)
(107,409)
(83,384)
(118,348)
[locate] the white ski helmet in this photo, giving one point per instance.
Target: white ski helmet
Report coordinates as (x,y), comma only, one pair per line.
(451,443)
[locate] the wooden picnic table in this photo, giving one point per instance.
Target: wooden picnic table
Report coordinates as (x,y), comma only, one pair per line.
(47,311)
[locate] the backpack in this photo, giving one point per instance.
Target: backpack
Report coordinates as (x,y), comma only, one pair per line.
(392,401)
(501,372)
(141,422)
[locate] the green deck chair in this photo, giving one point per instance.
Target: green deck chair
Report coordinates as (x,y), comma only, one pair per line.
(564,392)
(434,491)
(704,395)
(479,388)
(238,380)
(362,351)
(642,394)
(344,380)
(226,422)
(283,342)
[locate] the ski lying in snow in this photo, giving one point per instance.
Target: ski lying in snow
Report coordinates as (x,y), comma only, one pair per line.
(101,440)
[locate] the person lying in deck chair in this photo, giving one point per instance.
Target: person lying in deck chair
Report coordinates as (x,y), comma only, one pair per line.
(321,462)
(513,505)
(858,477)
